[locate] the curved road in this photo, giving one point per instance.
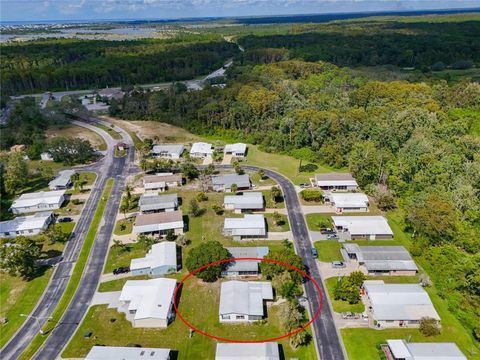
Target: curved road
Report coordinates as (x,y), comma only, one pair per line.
(109,166)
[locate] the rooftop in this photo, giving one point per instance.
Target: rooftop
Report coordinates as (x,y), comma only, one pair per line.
(335,178)
(62,179)
(363,225)
(256,221)
(164,253)
(150,298)
(127,353)
(36,198)
(247,351)
(241,181)
(158,218)
(168,148)
(236,148)
(244,297)
(249,200)
(246,252)
(348,199)
(382,257)
(425,351)
(201,147)
(162,178)
(22,223)
(154,201)
(399,301)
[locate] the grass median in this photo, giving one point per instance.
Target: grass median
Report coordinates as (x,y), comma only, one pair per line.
(75,277)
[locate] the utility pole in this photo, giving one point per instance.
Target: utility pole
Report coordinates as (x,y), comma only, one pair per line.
(36,320)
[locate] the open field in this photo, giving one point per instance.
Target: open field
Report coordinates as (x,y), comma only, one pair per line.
(72,131)
(194,296)
(115,135)
(340,306)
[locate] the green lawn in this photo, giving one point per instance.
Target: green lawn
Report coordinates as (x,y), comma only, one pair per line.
(75,277)
(115,135)
(117,285)
(18,296)
(120,257)
(194,296)
(328,250)
(87,179)
(396,279)
(272,226)
(269,204)
(123,227)
(255,179)
(317,221)
(340,305)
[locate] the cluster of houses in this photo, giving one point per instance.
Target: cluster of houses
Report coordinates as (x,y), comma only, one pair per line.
(197,150)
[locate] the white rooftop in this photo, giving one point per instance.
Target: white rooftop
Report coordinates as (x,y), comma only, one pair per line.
(201,147)
(127,353)
(37,198)
(244,226)
(164,253)
(249,200)
(382,257)
(176,149)
(150,298)
(247,351)
(363,225)
(246,252)
(335,179)
(244,297)
(349,200)
(425,351)
(242,181)
(62,179)
(25,223)
(399,301)
(236,148)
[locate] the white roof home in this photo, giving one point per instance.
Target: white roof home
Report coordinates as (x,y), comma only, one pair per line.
(154,202)
(336,181)
(373,227)
(161,181)
(25,225)
(62,181)
(348,201)
(201,149)
(171,151)
(400,349)
(148,302)
(379,259)
(403,302)
(248,226)
(158,222)
(160,259)
(245,267)
(246,201)
(244,299)
(247,351)
(38,201)
(127,353)
(238,149)
(46,156)
(225,182)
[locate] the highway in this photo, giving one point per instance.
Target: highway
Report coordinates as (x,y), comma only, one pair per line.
(109,166)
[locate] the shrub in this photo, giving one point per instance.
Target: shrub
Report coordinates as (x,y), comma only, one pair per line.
(207,253)
(217,209)
(429,327)
(307,168)
(311,195)
(201,196)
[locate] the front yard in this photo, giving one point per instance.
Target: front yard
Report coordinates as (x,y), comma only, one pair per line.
(329,250)
(340,306)
(124,226)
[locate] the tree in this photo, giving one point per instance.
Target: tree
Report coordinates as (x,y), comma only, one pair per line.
(204,254)
(217,209)
(16,173)
(237,167)
(194,209)
(46,171)
(146,241)
(278,219)
(201,196)
(189,170)
(261,174)
(170,236)
(55,234)
(17,256)
(275,193)
(287,256)
(348,288)
(429,327)
(384,197)
(234,188)
(71,151)
(311,195)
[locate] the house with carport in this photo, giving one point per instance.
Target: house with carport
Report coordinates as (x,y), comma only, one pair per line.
(363,227)
(62,181)
(159,223)
(335,182)
(168,151)
(225,182)
(248,227)
(247,201)
(162,181)
(161,259)
(348,202)
(237,149)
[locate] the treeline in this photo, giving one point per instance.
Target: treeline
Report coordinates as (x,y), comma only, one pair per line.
(66,64)
(406,44)
(413,143)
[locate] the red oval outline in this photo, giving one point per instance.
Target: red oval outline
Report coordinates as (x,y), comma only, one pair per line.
(317,313)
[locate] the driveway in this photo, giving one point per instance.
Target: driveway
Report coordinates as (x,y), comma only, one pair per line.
(280,235)
(318,209)
(327,271)
(106,298)
(227,159)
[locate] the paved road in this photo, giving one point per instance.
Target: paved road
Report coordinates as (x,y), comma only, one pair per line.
(118,168)
(328,341)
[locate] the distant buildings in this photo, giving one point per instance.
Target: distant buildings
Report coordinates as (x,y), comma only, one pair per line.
(168,151)
(46,156)
(237,150)
(398,305)
(127,353)
(159,223)
(336,182)
(62,181)
(161,259)
(25,225)
(162,182)
(201,149)
(245,267)
(246,201)
(243,301)
(383,260)
(111,93)
(38,201)
(348,202)
(149,203)
(247,351)
(250,226)
(148,303)
(402,350)
(225,182)
(363,227)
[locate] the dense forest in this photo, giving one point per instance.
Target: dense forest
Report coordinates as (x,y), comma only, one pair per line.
(68,64)
(418,141)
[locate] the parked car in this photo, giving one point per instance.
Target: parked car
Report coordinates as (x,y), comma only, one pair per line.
(65,219)
(338,264)
(350,315)
(121,270)
(326,231)
(314,252)
(332,237)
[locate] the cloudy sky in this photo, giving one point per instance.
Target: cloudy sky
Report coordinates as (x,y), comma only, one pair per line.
(16,10)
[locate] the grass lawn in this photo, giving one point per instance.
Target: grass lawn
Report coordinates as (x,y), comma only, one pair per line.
(328,250)
(195,295)
(269,204)
(340,305)
(257,181)
(117,285)
(115,135)
(120,257)
(123,227)
(75,277)
(87,179)
(18,296)
(396,279)
(317,221)
(272,226)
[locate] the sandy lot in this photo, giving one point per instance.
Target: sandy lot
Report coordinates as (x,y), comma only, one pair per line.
(72,131)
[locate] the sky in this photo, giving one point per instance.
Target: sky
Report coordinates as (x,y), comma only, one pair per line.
(38,10)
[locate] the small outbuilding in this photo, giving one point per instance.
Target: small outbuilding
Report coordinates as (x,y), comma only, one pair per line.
(248,351)
(363,227)
(246,201)
(168,151)
(46,156)
(245,267)
(250,226)
(161,259)
(225,182)
(159,223)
